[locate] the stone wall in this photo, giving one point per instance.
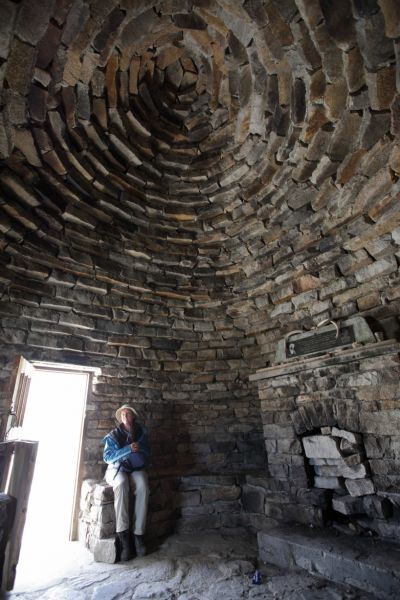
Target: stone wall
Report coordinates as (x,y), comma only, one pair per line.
(181,184)
(190,432)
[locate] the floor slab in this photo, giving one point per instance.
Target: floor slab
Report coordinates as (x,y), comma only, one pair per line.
(190,566)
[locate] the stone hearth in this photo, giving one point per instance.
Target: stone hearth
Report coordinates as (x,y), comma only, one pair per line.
(370,565)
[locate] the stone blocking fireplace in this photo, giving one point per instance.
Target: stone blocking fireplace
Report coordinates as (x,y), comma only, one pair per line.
(332,434)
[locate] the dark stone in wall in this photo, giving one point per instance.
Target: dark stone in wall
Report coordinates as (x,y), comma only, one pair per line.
(364,9)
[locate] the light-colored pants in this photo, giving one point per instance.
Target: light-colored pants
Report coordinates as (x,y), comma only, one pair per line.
(121,484)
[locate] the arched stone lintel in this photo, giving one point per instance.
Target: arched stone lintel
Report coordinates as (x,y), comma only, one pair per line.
(329,412)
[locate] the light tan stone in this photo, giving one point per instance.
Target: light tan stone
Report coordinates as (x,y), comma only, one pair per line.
(394,160)
(133,75)
(391,13)
(20,66)
(335,99)
(349,166)
(316,119)
(306,283)
(353,69)
(111,70)
(381,87)
(25,143)
(167,56)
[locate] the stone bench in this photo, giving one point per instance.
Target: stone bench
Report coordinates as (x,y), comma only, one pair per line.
(184,503)
(368,564)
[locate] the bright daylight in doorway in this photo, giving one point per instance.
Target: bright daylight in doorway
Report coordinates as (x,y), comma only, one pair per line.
(54,416)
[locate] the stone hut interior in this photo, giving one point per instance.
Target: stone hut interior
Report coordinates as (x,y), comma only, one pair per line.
(200,211)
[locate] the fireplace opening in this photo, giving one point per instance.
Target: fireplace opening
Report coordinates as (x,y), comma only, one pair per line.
(336,463)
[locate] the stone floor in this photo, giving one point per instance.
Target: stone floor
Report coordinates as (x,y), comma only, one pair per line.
(204,566)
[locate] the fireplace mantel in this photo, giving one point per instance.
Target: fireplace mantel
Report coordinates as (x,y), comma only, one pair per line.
(356,352)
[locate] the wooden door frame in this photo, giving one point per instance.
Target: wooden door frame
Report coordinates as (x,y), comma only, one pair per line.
(17,392)
(73,529)
(20,470)
(90,372)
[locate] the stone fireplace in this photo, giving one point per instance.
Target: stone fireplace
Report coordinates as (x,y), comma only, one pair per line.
(332,433)
(337,462)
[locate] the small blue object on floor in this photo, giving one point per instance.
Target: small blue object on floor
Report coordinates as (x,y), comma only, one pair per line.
(257,578)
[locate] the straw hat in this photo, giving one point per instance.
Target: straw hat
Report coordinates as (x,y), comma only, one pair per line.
(121,408)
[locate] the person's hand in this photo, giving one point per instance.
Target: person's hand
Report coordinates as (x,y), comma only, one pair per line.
(134,446)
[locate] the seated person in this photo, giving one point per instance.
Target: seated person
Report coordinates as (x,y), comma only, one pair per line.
(126,450)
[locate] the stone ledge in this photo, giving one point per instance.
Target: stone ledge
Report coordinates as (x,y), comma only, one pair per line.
(364,563)
(333,357)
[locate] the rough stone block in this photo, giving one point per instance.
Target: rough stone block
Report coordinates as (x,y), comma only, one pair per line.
(352,460)
(324,461)
(105,551)
(319,446)
(20,66)
(381,87)
(375,47)
(103,514)
(374,126)
(298,422)
(253,500)
(360,487)
(326,430)
(354,438)
(347,505)
(6,140)
(103,493)
(7,16)
(312,496)
(347,448)
(330,483)
(384,266)
(384,422)
(342,470)
(377,507)
(353,69)
(188,498)
(197,523)
(33,19)
(212,494)
(391,13)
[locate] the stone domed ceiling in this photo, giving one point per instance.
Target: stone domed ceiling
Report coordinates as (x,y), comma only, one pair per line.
(194,129)
(153,126)
(236,161)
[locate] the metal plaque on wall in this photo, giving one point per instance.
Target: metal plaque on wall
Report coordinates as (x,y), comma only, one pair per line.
(319,341)
(324,338)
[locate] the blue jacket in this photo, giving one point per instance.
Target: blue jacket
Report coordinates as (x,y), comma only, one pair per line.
(117,446)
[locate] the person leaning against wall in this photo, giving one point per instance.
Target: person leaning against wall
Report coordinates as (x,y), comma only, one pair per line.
(126,452)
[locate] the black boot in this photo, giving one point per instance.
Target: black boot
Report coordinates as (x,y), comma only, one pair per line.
(125,544)
(139,545)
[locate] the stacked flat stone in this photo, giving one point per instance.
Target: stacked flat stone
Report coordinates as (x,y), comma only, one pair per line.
(97,516)
(181,182)
(337,458)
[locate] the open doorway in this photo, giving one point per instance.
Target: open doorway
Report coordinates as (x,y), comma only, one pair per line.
(54,416)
